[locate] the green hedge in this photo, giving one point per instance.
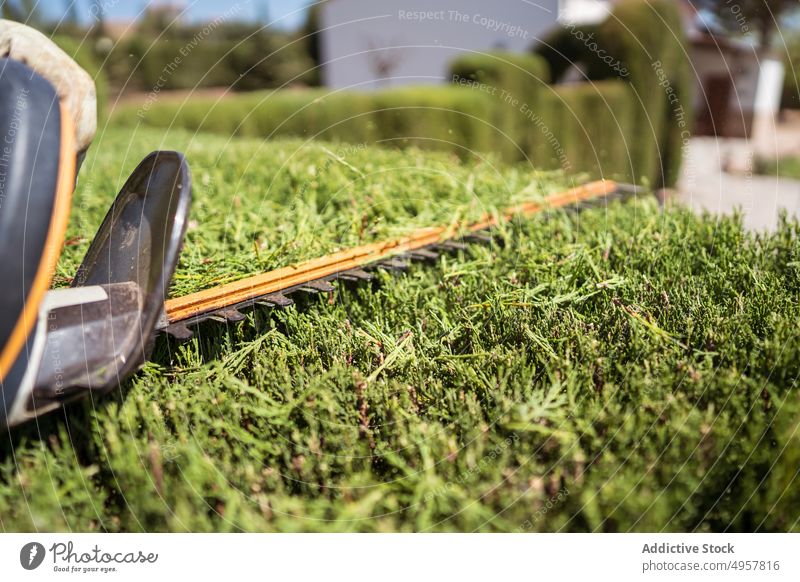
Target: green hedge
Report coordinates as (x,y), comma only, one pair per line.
(642,42)
(628,124)
(516,83)
(578,128)
(444,118)
(649,37)
(584,127)
(593,125)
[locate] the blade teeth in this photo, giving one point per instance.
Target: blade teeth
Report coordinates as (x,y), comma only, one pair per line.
(275,300)
(453,246)
(229,314)
(423,255)
(393,265)
(355,275)
(179,331)
(627,189)
(479,238)
(318,287)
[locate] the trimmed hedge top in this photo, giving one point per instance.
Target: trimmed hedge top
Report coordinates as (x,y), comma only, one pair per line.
(627,368)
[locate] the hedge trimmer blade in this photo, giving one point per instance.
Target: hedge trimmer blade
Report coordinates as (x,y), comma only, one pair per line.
(95,334)
(59,345)
(226,302)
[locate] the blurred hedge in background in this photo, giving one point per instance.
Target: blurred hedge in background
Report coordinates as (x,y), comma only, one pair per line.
(516,83)
(643,43)
(628,124)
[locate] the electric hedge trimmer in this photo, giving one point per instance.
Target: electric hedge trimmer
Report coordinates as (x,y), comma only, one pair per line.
(59,345)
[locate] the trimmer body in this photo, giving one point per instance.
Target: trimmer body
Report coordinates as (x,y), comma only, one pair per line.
(58,345)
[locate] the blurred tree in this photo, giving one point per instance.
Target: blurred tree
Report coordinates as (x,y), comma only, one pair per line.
(161,18)
(310,32)
(23,11)
(760,18)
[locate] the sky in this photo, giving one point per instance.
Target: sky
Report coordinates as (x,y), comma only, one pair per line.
(285,13)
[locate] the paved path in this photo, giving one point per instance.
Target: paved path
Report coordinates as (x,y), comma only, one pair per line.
(705,186)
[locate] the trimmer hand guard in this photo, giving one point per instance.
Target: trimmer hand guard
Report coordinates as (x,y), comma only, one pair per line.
(94,335)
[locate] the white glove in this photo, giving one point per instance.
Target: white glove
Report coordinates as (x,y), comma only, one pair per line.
(74,86)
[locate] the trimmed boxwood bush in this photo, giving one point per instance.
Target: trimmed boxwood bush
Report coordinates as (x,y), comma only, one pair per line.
(444,118)
(516,83)
(564,46)
(649,39)
(593,124)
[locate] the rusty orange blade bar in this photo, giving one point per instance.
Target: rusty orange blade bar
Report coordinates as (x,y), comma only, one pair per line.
(195,304)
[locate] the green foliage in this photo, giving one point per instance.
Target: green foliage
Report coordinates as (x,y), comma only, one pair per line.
(229,55)
(503,105)
(628,368)
(790,99)
(312,39)
(444,118)
(517,84)
(578,128)
(564,46)
(25,11)
(649,38)
(594,123)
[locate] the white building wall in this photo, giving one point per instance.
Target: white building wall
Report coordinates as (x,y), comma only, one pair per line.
(580,12)
(369,44)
